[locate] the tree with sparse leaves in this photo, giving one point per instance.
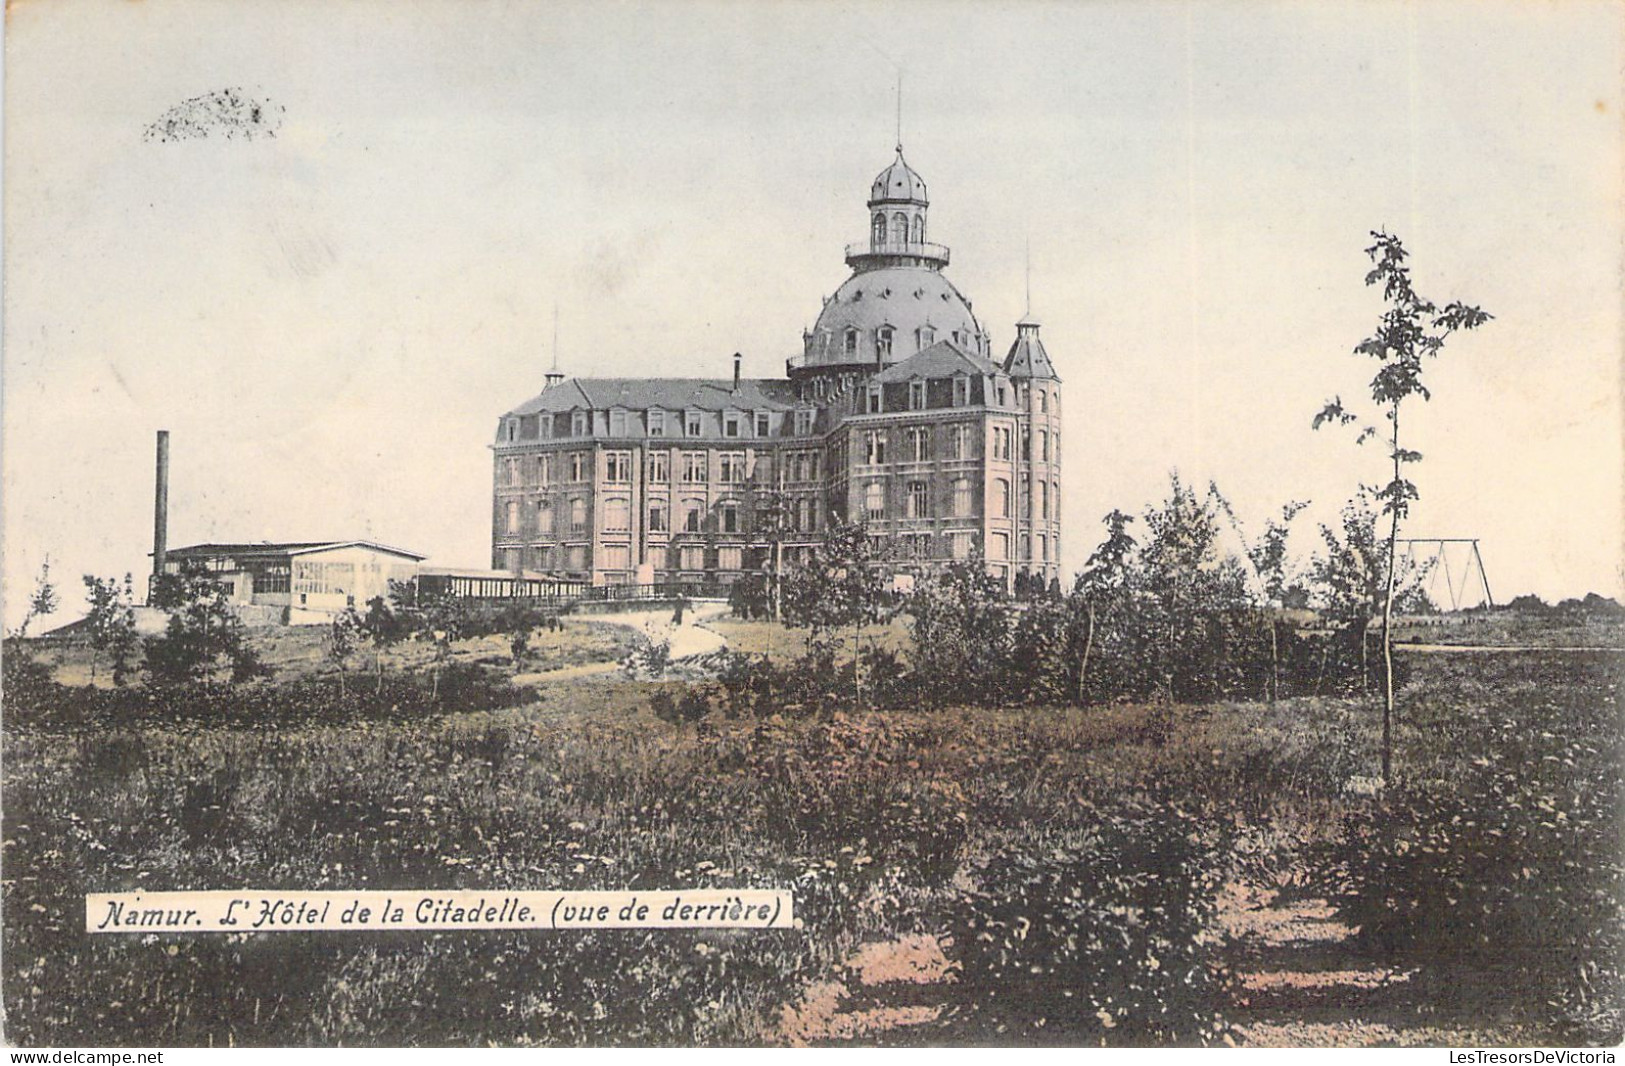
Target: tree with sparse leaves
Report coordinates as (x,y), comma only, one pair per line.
(203,634)
(110,623)
(1411,331)
(844,582)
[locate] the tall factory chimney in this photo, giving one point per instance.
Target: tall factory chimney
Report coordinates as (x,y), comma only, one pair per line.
(160,506)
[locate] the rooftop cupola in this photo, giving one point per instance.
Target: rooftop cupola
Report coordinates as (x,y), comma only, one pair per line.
(897,209)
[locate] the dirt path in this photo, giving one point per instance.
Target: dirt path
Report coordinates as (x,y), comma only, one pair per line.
(689,639)
(1304,985)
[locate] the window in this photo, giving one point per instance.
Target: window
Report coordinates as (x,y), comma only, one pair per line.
(877,232)
(852,343)
(958,442)
(728,515)
(916,396)
(919,444)
(874,500)
(1027,443)
(963,498)
(899,228)
(617,423)
(618,466)
(1024,552)
(544,469)
(657,423)
(1001,442)
(660,467)
(874,447)
(513,429)
(692,424)
(730,558)
(1043,500)
(575,557)
(1001,495)
(919,505)
(961,391)
(659,517)
(617,557)
(694,467)
(617,514)
(960,544)
(998,546)
(691,557)
(883,337)
(804,423)
(1043,401)
(925,337)
(578,515)
(919,229)
(693,515)
(763,426)
(730,425)
(544,517)
(733,467)
(1043,445)
(1027,495)
(875,400)
(578,423)
(917,545)
(544,425)
(1043,547)
(512,521)
(1002,394)
(807,516)
(1055,497)
(578,465)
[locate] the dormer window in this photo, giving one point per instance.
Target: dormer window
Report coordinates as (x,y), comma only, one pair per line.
(730,425)
(852,342)
(916,396)
(617,423)
(578,423)
(513,429)
(657,423)
(961,391)
(804,423)
(762,425)
(927,337)
(883,337)
(692,424)
(874,400)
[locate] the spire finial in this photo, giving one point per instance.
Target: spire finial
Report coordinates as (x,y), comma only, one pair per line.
(555,336)
(1029,310)
(899,110)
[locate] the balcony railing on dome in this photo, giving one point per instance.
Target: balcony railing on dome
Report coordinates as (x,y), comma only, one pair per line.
(921,249)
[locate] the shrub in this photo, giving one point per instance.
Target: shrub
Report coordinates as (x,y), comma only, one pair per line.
(1096,935)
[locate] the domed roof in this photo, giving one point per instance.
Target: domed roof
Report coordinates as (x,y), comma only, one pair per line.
(909,299)
(898,182)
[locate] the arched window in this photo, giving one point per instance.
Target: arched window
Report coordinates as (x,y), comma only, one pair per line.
(883,337)
(693,515)
(927,337)
(899,228)
(1043,500)
(1003,496)
(851,341)
(1043,401)
(878,235)
(919,229)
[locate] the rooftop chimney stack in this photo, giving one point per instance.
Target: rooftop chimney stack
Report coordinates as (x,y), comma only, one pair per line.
(737,358)
(160,506)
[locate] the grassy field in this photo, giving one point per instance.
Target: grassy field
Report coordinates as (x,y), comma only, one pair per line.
(1146,845)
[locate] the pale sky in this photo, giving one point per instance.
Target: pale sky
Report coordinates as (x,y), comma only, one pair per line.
(330,321)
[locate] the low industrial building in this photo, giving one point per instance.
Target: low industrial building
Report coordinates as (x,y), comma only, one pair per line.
(300,583)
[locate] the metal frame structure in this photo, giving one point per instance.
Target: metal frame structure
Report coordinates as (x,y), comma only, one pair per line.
(1440,561)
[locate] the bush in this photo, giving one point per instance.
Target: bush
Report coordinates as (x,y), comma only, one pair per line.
(1097,936)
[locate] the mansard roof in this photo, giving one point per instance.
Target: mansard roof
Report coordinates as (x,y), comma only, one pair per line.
(943,359)
(669,394)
